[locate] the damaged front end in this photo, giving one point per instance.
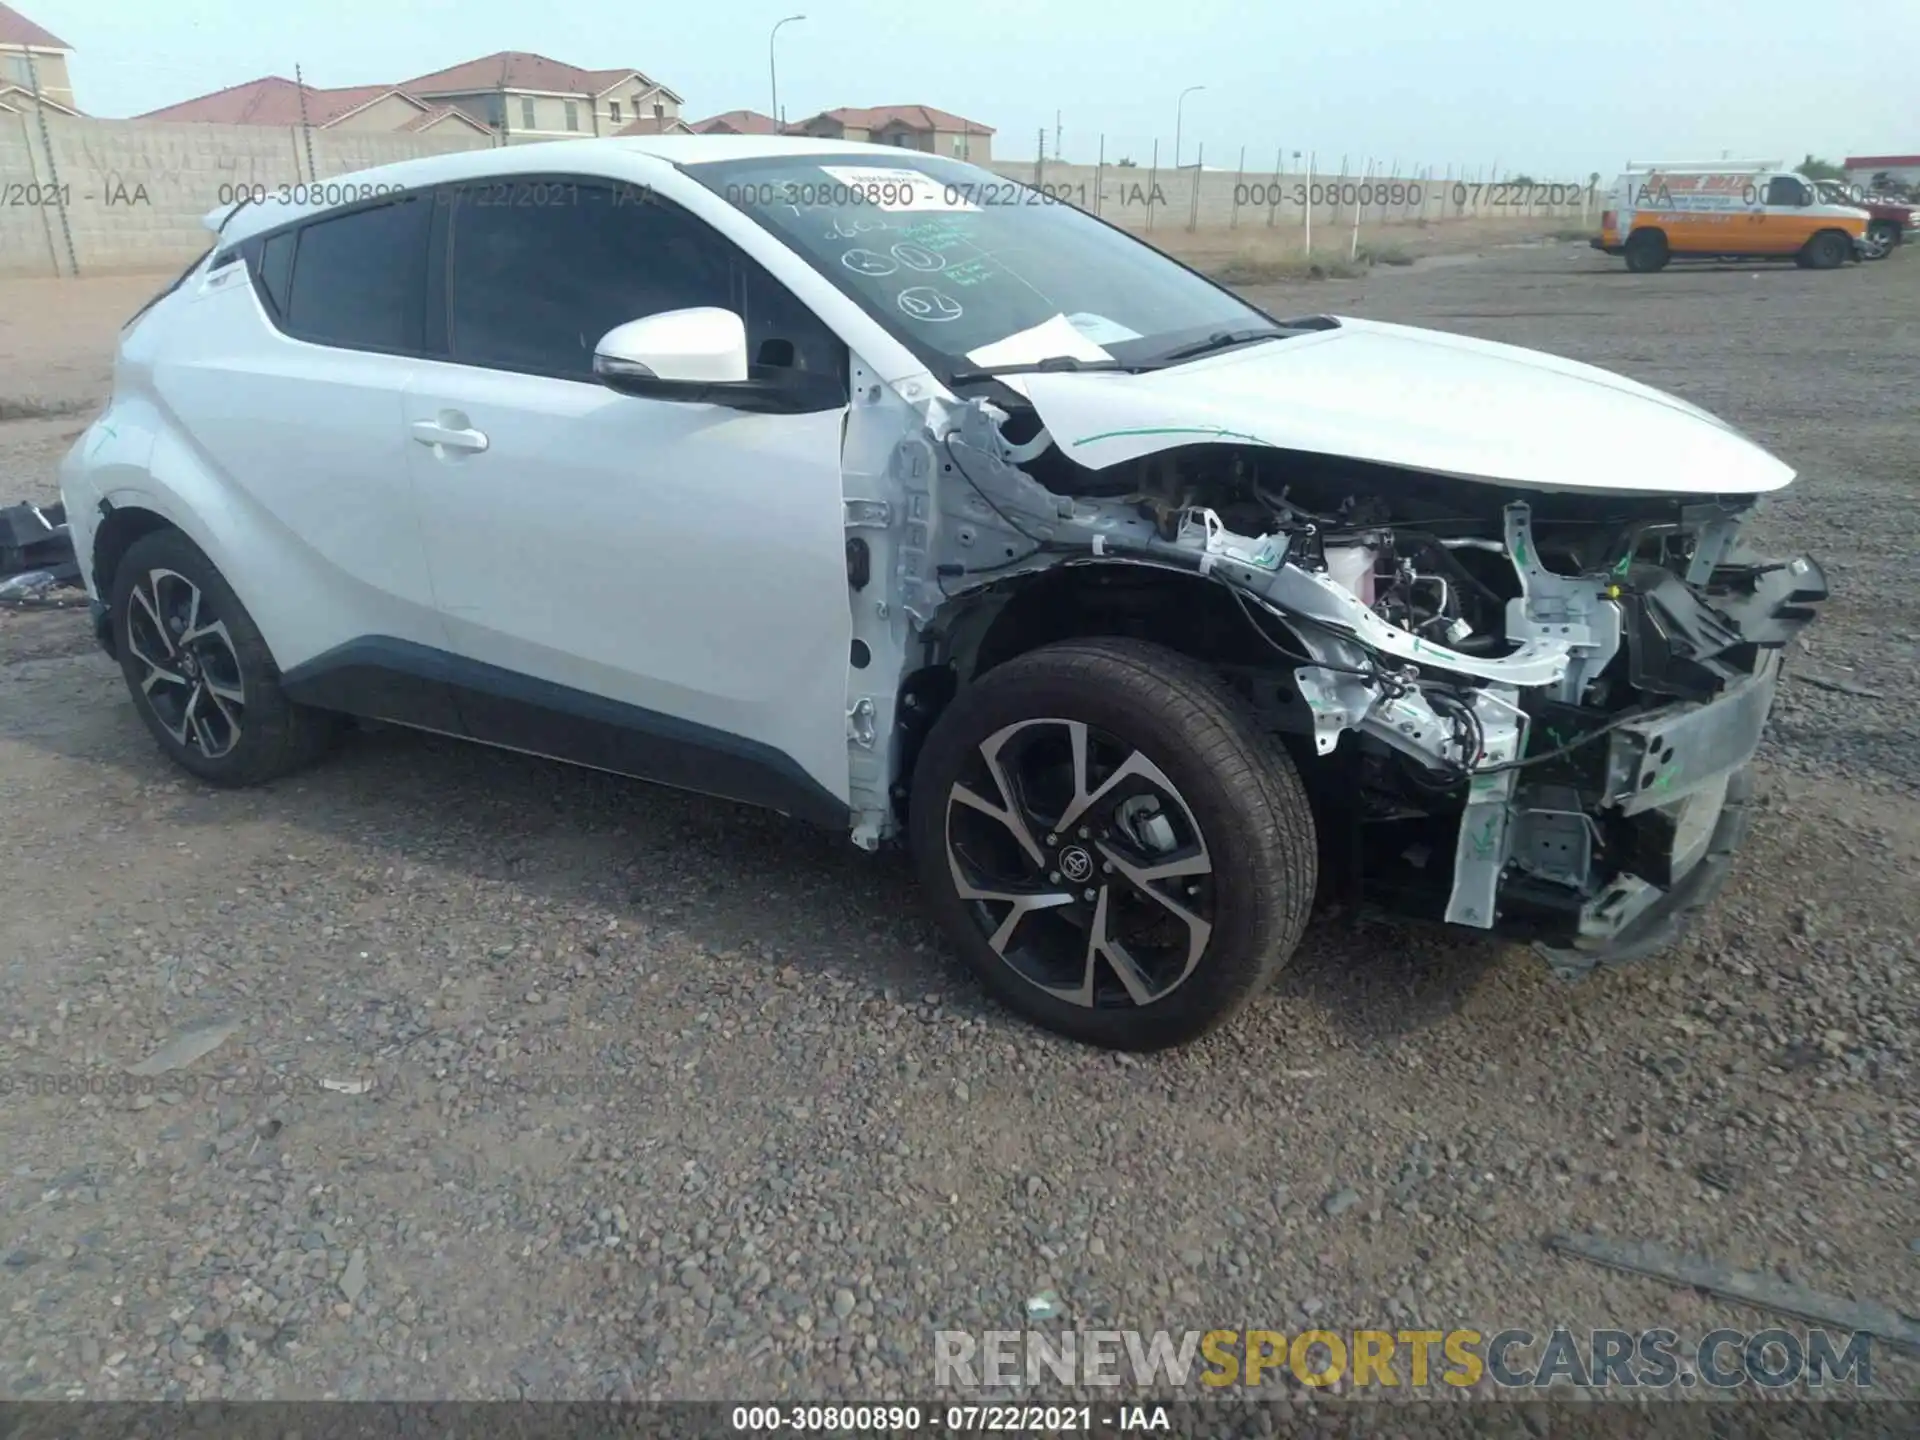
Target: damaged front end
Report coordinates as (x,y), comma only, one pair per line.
(1519,709)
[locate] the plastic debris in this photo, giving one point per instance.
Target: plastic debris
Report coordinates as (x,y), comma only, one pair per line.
(1658,1263)
(1044,1306)
(185,1048)
(34,537)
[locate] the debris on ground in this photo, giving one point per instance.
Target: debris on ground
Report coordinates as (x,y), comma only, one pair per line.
(354,1280)
(1044,1306)
(1839,684)
(185,1048)
(34,537)
(36,558)
(1658,1263)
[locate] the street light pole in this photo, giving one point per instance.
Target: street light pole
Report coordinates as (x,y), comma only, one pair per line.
(773,74)
(1178,107)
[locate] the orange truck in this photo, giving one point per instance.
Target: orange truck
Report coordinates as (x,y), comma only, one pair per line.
(1727,210)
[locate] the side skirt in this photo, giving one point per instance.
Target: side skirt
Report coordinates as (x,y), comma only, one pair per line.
(378,677)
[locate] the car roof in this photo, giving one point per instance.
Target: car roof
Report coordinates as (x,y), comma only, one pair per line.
(631,157)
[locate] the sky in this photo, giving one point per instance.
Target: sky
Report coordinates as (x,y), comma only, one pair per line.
(1551,91)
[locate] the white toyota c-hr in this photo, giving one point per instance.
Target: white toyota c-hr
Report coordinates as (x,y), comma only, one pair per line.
(875,488)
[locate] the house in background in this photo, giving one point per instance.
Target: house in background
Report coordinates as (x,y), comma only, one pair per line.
(517,96)
(912,127)
(527,97)
(28,55)
(737,122)
(276,101)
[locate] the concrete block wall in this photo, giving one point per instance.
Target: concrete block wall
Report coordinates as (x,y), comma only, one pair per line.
(94,196)
(87,196)
(1141,197)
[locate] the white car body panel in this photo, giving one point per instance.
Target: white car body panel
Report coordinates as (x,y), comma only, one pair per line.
(686,559)
(289,470)
(1424,399)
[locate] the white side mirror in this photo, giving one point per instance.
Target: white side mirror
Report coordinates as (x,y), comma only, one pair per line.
(703,346)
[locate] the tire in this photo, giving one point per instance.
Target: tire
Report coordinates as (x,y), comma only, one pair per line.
(1883,237)
(1647,252)
(1827,251)
(1179,775)
(199,672)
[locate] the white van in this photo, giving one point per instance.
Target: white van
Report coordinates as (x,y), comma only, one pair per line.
(1726,209)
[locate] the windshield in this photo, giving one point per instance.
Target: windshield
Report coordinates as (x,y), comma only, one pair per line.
(976,272)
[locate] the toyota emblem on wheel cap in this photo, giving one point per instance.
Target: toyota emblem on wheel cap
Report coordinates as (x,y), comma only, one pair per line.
(1075,863)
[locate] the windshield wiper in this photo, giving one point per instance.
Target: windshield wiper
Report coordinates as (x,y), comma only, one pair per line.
(1219,340)
(1037,367)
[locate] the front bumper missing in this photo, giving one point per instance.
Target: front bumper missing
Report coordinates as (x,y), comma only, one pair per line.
(1680,750)
(1633,918)
(1682,780)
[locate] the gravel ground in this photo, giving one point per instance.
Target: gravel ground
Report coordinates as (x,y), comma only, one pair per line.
(529,1082)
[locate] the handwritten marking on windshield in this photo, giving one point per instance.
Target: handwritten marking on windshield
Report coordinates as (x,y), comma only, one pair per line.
(970,272)
(854,229)
(868,262)
(923,302)
(916,257)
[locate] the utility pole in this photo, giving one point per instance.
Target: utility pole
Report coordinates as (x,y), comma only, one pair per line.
(53,170)
(306,128)
(1179,107)
(773,73)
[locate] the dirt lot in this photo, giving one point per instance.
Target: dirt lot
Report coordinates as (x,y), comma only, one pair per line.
(664,1097)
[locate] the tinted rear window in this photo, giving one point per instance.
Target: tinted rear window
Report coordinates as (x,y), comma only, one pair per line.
(276,268)
(359,279)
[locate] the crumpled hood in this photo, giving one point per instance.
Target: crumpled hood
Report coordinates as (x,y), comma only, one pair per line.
(1423,399)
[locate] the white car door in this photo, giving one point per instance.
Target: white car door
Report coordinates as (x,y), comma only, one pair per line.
(650,587)
(289,403)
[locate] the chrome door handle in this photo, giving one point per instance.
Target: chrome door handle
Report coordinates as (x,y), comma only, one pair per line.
(446,437)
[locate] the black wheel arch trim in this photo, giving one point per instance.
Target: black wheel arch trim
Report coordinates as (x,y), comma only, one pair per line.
(382,677)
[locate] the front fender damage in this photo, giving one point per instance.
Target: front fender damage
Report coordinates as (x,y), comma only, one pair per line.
(948,517)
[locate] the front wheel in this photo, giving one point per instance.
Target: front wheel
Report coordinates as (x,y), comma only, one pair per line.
(1882,238)
(1647,252)
(1118,851)
(1827,251)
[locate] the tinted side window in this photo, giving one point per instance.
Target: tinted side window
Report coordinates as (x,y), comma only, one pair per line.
(359,279)
(540,270)
(1783,190)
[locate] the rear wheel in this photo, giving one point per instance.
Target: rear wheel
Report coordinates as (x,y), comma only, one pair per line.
(200,674)
(1827,251)
(1117,850)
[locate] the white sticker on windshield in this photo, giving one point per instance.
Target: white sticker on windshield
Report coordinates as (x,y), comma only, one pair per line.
(894,191)
(1053,339)
(1101,330)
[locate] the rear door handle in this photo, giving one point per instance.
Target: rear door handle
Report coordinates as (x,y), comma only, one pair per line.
(443,436)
